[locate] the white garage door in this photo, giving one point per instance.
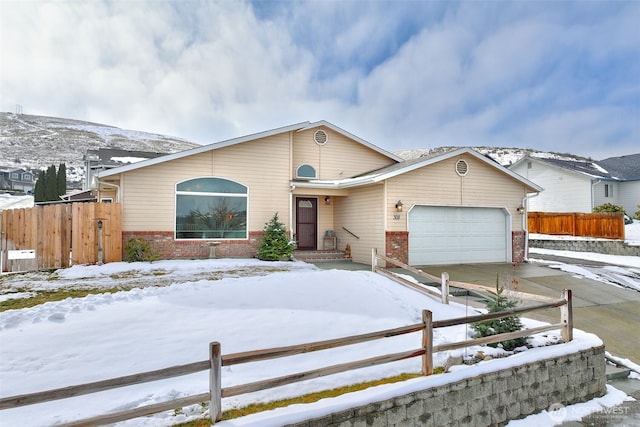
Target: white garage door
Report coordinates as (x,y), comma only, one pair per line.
(453,235)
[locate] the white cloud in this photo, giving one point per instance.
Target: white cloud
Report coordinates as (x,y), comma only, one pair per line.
(400,74)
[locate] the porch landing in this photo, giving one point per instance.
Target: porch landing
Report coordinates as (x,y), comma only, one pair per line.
(319,256)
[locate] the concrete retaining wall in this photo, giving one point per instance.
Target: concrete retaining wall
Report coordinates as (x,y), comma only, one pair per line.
(486,400)
(610,247)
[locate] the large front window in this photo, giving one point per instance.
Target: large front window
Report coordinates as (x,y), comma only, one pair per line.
(211,208)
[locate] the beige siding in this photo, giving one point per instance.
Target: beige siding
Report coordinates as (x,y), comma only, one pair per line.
(325,218)
(340,157)
(261,165)
(363,214)
(439,184)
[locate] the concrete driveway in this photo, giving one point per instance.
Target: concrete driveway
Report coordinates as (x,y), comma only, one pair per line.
(611,312)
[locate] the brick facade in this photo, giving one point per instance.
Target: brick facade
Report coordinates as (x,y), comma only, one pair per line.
(164,244)
(397,245)
(518,246)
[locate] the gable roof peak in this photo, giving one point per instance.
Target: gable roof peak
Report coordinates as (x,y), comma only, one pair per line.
(349,135)
(298,127)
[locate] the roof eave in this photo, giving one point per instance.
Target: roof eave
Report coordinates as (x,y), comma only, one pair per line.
(203,149)
(352,136)
(455,153)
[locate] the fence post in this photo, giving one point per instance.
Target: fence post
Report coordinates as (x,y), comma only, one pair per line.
(566,316)
(374,259)
(445,287)
(215,382)
(427,342)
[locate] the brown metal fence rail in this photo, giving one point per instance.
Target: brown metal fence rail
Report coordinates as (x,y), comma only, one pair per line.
(216,360)
(60,235)
(600,225)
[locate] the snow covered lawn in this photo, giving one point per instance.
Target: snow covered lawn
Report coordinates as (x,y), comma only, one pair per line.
(102,336)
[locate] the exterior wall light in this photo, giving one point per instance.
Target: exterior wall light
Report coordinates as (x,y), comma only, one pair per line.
(327,200)
(520,209)
(399,206)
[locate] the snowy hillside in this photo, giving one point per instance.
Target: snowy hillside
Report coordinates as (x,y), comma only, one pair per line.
(503,155)
(34,142)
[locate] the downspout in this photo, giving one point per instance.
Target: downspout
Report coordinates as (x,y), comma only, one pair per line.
(291,188)
(291,237)
(525,224)
(108,184)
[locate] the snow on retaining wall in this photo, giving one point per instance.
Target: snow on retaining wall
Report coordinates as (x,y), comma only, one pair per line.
(609,247)
(491,398)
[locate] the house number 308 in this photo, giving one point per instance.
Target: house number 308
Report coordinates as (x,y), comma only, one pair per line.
(396,217)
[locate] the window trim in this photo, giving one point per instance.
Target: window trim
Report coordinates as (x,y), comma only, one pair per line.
(197,193)
(315,172)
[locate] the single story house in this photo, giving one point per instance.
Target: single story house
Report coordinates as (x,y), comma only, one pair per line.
(581,185)
(323,182)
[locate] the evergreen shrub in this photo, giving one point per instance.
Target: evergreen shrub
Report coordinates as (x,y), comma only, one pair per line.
(503,325)
(137,249)
(275,245)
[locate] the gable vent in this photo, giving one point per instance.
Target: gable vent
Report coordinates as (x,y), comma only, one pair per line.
(320,137)
(462,167)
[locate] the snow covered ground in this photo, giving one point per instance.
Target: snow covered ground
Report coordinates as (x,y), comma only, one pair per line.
(9,201)
(243,304)
(177,307)
(612,269)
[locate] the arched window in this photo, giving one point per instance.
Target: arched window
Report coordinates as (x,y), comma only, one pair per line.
(306,171)
(211,208)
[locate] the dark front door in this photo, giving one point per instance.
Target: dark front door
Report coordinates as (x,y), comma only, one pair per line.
(306,222)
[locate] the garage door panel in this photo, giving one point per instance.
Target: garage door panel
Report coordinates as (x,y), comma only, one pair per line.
(447,235)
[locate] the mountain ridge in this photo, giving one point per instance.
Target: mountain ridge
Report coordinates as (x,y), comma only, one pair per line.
(36,142)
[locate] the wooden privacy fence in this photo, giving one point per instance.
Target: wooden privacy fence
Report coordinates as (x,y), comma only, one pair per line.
(216,360)
(603,225)
(60,235)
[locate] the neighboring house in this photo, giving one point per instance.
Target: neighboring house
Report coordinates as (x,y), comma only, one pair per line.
(82,196)
(17,180)
(109,158)
(626,171)
(322,180)
(581,185)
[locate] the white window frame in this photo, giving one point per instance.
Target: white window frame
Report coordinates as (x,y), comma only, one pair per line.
(244,195)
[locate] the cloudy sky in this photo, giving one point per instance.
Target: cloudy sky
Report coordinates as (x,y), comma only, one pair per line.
(551,75)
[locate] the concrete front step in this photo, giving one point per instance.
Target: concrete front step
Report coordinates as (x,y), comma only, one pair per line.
(617,372)
(320,256)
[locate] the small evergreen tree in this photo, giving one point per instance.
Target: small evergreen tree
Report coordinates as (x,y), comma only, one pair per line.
(275,245)
(51,184)
(503,325)
(39,194)
(61,179)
